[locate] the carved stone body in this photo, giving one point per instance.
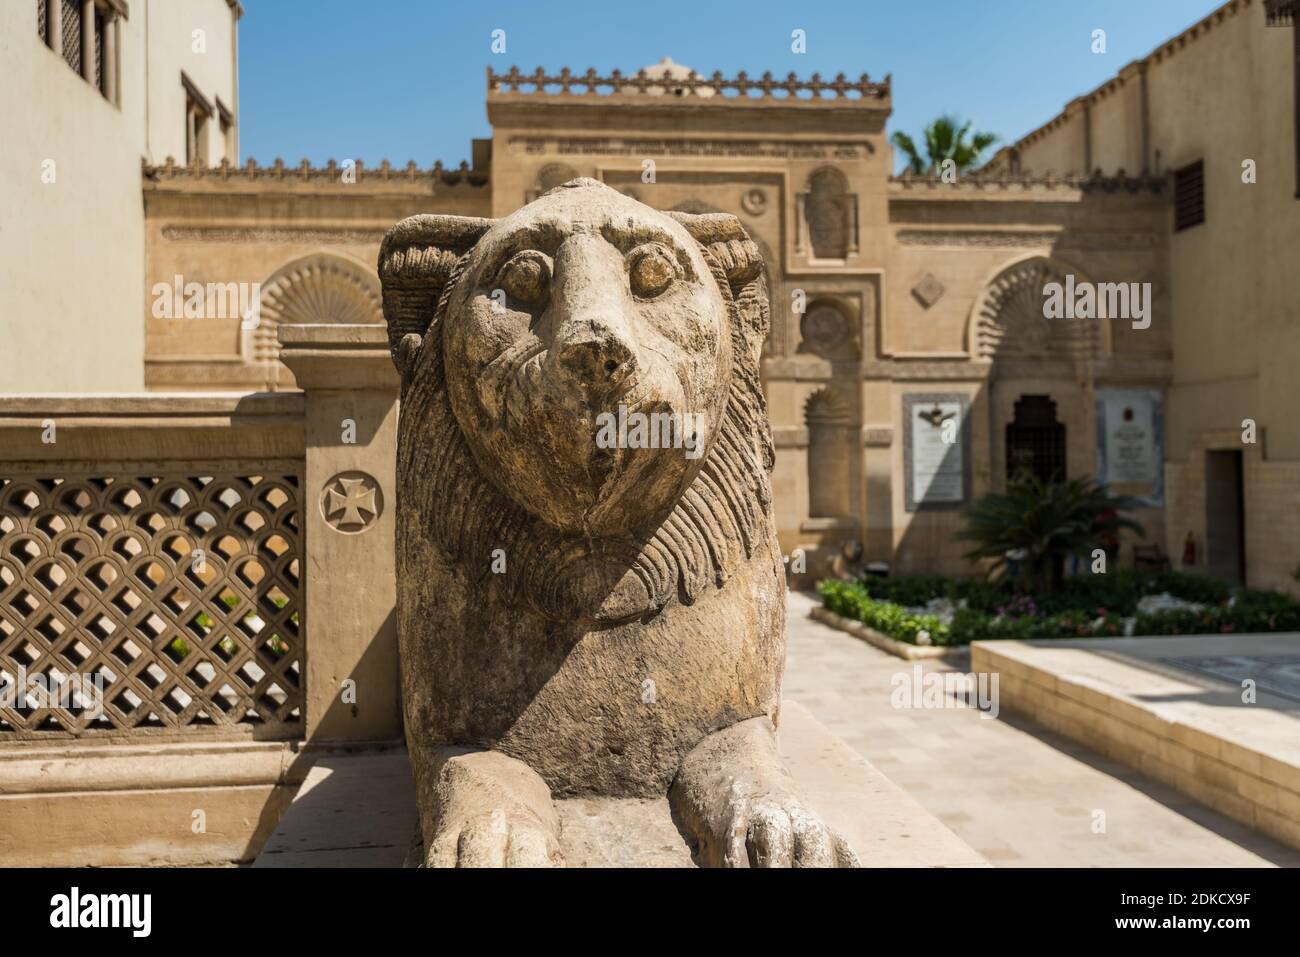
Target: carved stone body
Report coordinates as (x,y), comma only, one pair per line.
(591,599)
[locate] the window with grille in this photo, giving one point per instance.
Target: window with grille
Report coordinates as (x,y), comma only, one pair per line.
(198,115)
(1036,441)
(1189,196)
(99,26)
(227,125)
(88,44)
(72,33)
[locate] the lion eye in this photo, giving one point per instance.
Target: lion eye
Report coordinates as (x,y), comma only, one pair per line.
(526,277)
(651,270)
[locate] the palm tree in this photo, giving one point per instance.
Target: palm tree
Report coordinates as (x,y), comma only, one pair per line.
(944,140)
(1038,524)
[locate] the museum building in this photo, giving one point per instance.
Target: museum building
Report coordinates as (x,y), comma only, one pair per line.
(910,366)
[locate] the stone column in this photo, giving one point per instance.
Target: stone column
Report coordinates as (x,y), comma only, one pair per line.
(88,40)
(349,504)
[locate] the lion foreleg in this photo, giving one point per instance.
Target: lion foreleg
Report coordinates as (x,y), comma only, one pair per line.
(736,799)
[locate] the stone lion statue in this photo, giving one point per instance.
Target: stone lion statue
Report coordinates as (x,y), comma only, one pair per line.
(581,617)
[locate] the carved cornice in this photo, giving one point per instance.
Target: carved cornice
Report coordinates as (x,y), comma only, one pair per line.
(831,149)
(331,173)
(740,88)
(269,234)
(980,182)
(1025,239)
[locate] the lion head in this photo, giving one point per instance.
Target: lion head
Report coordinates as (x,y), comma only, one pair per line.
(580,390)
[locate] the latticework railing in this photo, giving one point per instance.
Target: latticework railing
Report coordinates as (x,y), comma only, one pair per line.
(742,85)
(177,594)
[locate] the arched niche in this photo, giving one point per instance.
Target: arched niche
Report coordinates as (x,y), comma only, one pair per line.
(829,215)
(322,288)
(1007,321)
(830,453)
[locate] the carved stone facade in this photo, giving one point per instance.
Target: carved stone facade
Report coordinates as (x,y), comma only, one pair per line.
(880,287)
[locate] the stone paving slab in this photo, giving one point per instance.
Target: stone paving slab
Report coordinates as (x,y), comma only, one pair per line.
(351,811)
(1019,793)
(1188,728)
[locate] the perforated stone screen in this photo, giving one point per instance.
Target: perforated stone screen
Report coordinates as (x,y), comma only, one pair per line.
(179,595)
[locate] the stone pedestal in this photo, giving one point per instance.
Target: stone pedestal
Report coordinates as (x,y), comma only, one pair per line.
(360,812)
(350,428)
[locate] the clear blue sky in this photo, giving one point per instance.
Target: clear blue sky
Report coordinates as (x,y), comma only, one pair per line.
(404,79)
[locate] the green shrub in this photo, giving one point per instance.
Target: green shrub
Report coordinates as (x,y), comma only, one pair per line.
(1045,522)
(1086,606)
(852,600)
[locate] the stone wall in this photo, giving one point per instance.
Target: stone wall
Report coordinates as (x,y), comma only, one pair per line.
(178,549)
(1221,93)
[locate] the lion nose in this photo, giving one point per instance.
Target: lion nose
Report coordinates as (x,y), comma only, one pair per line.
(597,354)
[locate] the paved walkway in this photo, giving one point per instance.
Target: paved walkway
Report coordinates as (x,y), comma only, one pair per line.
(1019,794)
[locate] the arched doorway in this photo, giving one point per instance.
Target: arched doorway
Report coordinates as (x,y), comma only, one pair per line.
(1040,371)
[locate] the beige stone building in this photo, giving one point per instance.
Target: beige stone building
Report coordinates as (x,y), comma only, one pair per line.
(902,306)
(898,304)
(214,334)
(896,300)
(95,88)
(1216,110)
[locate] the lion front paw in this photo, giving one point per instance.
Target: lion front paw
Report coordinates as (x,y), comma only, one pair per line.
(497,839)
(736,800)
(490,810)
(778,830)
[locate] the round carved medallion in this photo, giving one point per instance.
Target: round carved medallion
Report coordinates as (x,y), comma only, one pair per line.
(754,201)
(351,502)
(825,326)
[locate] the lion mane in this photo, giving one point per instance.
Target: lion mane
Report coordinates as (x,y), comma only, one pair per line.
(710,532)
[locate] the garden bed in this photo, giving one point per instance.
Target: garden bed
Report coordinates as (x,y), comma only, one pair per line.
(945,612)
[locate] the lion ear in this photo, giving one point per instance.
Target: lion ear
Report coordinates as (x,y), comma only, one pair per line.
(727,243)
(416,259)
(726,239)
